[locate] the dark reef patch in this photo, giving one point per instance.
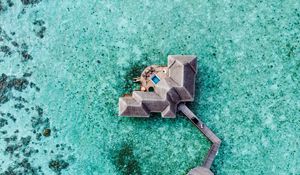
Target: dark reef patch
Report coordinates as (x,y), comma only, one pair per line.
(26,140)
(4,5)
(39,29)
(4,89)
(40,122)
(7,83)
(30,2)
(9,3)
(4,35)
(10,149)
(39,110)
(10,139)
(11,117)
(27,167)
(40,33)
(2,8)
(22,167)
(3,122)
(134,71)
(126,162)
(39,22)
(33,85)
(6,50)
(27,74)
(18,84)
(15,44)
(58,165)
(3,132)
(21,49)
(20,99)
(19,106)
(26,56)
(14,146)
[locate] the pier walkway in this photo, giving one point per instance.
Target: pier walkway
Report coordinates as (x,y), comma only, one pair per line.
(216,142)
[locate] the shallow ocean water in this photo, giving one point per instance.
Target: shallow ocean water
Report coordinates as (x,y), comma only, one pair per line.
(65,63)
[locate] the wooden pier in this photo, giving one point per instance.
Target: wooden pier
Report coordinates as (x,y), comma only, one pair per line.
(216,142)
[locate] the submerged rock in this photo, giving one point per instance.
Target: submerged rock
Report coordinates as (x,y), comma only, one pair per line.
(58,165)
(3,122)
(47,132)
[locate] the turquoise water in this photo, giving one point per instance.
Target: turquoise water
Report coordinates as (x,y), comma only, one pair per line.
(64,65)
